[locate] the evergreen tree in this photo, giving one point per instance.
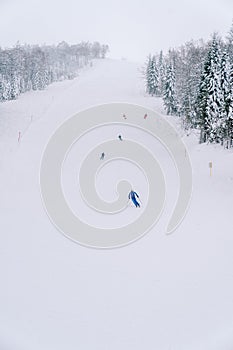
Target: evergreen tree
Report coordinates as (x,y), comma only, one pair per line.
(226,75)
(230,43)
(161,74)
(14,87)
(152,76)
(188,77)
(210,98)
(169,95)
(147,75)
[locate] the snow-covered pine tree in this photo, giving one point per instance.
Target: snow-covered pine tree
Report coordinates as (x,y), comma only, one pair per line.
(230,43)
(226,75)
(15,86)
(161,74)
(201,103)
(230,103)
(169,94)
(152,77)
(188,80)
(13,76)
(147,74)
(1,88)
(6,91)
(210,98)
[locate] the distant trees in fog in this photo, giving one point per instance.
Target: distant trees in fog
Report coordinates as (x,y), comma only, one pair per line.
(33,67)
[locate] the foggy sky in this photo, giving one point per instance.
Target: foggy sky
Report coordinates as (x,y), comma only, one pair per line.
(131,28)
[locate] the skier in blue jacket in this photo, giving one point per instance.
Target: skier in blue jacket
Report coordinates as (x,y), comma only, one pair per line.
(132,196)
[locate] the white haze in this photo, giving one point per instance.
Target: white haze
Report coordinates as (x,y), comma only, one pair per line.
(131,28)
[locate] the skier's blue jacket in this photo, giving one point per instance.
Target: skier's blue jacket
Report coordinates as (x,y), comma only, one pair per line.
(132,196)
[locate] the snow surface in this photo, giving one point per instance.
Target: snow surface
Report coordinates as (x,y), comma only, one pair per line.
(162,292)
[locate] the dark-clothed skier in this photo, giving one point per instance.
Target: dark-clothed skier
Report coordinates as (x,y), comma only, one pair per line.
(102,156)
(120,138)
(132,196)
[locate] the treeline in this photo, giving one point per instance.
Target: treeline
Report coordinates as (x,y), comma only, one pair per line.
(196,83)
(27,67)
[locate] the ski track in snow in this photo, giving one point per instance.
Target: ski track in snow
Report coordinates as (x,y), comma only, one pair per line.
(161,292)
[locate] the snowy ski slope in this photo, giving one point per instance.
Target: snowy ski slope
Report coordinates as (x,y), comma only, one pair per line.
(161,292)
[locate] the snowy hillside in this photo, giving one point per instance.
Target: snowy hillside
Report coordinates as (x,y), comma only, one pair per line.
(165,292)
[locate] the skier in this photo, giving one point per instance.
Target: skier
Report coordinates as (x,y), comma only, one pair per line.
(145,116)
(120,138)
(102,156)
(132,196)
